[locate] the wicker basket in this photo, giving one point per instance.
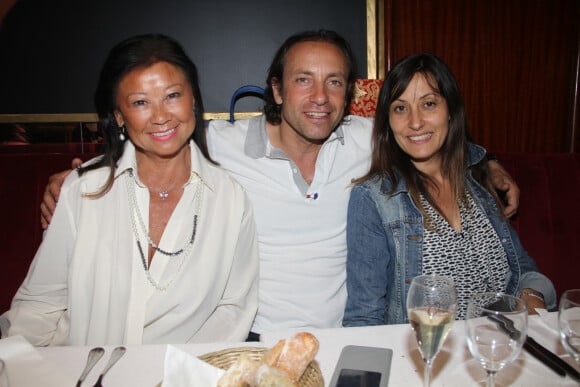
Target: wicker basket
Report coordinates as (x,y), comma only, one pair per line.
(312,377)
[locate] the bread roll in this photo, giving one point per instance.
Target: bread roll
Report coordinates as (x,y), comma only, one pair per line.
(242,373)
(273,377)
(293,355)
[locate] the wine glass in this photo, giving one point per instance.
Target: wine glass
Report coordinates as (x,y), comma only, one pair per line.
(3,375)
(497,326)
(431,307)
(569,322)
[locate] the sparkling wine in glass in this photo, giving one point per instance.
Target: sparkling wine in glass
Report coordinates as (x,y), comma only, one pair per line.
(569,322)
(431,307)
(497,326)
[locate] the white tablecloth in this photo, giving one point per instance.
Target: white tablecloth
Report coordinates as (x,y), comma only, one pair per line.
(453,366)
(143,365)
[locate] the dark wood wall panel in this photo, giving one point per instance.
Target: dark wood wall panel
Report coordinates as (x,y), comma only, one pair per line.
(52,50)
(515,62)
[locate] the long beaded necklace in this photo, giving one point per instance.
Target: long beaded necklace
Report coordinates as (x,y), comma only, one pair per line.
(136,217)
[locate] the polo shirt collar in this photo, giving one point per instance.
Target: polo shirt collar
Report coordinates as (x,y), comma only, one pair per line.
(258,143)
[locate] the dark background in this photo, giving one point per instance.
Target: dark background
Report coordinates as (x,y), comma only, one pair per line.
(51,50)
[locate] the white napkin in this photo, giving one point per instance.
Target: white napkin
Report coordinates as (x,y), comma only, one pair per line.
(550,319)
(26,367)
(184,370)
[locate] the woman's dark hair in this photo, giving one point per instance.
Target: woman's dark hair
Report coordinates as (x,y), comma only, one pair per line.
(390,160)
(272,110)
(139,52)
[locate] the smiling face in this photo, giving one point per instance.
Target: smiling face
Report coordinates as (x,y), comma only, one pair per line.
(155,104)
(419,119)
(313,90)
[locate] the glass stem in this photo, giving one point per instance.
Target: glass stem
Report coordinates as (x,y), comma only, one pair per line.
(490,379)
(427,373)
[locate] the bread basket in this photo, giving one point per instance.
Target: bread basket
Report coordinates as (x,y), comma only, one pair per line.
(312,377)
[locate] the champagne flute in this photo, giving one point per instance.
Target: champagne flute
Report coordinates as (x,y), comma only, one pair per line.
(431,307)
(569,322)
(497,326)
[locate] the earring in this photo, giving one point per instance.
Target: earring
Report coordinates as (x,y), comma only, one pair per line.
(122,133)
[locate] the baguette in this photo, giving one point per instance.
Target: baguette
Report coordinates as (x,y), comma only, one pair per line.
(242,373)
(273,377)
(293,355)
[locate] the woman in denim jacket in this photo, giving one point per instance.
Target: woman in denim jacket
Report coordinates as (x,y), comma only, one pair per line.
(427,205)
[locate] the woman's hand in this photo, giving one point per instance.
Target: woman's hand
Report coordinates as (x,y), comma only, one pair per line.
(534,300)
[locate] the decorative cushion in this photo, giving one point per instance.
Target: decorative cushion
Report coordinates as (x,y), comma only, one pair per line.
(366,94)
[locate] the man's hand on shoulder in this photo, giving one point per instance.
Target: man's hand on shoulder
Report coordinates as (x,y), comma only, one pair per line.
(52,192)
(503,181)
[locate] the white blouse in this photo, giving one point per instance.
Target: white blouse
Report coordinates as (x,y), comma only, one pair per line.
(87,284)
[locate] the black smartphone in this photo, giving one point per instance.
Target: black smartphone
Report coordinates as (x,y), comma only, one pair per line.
(362,366)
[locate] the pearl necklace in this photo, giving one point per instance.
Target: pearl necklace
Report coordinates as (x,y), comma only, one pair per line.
(136,217)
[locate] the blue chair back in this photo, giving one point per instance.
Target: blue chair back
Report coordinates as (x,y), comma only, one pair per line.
(244,91)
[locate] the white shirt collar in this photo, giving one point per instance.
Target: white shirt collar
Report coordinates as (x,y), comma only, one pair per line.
(200,166)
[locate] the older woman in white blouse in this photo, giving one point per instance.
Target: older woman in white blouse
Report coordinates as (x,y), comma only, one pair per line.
(151,242)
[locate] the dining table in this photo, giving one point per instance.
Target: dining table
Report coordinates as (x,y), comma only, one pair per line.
(143,365)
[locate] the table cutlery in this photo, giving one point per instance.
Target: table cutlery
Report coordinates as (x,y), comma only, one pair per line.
(95,355)
(537,350)
(115,356)
(567,368)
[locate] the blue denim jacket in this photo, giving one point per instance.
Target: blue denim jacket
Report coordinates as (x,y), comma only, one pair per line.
(385,236)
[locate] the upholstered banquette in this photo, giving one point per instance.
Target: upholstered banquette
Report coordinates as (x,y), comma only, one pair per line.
(548,221)
(24,173)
